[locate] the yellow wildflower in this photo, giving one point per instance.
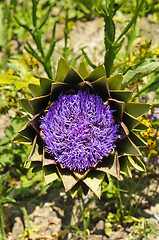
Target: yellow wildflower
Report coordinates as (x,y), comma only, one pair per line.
(35,61)
(157,52)
(10,72)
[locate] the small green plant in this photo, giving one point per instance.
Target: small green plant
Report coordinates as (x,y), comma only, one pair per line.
(144,229)
(4,198)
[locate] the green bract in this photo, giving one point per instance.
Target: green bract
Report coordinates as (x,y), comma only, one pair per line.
(126,113)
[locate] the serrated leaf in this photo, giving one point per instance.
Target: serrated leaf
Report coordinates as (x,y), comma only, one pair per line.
(72,77)
(139,72)
(101,88)
(82,70)
(137,109)
(67,178)
(97,73)
(94,180)
(137,163)
(62,70)
(115,82)
(50,174)
(120,95)
(110,165)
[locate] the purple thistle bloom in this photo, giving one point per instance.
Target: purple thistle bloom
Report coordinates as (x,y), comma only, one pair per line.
(78,130)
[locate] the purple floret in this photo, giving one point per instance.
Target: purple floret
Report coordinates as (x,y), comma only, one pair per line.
(78,130)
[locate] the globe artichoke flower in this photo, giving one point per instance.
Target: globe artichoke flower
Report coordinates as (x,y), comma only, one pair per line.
(82,127)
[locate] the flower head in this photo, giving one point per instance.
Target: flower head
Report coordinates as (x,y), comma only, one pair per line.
(78,130)
(82,127)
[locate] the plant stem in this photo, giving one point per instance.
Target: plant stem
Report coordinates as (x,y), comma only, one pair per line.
(2,230)
(120,204)
(83,214)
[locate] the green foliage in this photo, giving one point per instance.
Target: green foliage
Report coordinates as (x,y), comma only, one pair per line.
(30,21)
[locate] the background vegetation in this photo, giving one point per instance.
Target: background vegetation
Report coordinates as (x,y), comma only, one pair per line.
(29,37)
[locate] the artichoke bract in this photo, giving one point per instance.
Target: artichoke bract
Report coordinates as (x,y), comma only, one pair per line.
(82,127)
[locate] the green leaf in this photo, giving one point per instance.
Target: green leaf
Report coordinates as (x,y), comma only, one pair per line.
(101,87)
(132,21)
(125,166)
(62,70)
(82,70)
(140,72)
(137,163)
(19,139)
(152,85)
(52,44)
(74,190)
(140,127)
(110,165)
(35,154)
(136,109)
(94,180)
(109,30)
(20,84)
(37,166)
(35,90)
(27,131)
(139,142)
(118,106)
(129,121)
(88,59)
(72,77)
(115,81)
(50,174)
(127,147)
(44,18)
(39,103)
(120,95)
(97,73)
(84,188)
(57,89)
(67,178)
(21,67)
(6,78)
(108,227)
(26,105)
(45,85)
(23,25)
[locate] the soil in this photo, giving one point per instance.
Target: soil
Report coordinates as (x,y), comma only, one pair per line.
(52,213)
